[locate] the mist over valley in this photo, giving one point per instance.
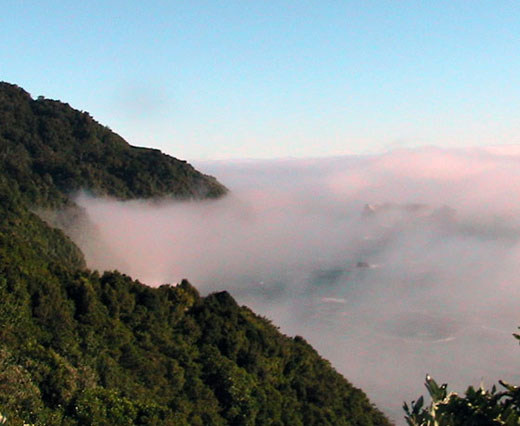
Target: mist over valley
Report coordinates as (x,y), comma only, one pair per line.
(392,265)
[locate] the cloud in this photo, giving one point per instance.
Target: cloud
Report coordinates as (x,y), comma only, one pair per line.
(392,266)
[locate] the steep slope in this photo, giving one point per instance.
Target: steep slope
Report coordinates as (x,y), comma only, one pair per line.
(80,348)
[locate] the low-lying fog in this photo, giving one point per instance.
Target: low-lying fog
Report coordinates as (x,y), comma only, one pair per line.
(391,266)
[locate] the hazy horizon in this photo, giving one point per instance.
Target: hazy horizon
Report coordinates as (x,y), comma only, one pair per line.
(205,80)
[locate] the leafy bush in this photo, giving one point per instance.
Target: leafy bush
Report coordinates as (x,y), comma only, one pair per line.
(476,407)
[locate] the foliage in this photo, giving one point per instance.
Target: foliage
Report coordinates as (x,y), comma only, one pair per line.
(82,348)
(476,407)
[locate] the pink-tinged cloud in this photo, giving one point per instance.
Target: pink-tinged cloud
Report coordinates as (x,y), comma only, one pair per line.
(425,279)
(434,164)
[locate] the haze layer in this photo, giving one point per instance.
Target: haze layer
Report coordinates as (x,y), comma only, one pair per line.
(392,266)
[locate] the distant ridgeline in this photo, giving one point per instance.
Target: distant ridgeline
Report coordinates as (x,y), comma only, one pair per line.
(80,348)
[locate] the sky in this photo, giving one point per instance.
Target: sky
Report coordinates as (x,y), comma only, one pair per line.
(207,80)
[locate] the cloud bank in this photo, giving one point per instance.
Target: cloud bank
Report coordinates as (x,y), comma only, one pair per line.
(391,266)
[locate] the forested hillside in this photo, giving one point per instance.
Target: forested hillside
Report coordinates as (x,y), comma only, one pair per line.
(49,150)
(79,347)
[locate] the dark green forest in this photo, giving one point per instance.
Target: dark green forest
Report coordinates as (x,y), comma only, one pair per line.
(81,347)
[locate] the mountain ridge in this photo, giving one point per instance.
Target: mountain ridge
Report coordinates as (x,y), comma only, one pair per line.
(47,146)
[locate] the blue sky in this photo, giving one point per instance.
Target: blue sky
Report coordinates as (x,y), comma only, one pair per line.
(261,79)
